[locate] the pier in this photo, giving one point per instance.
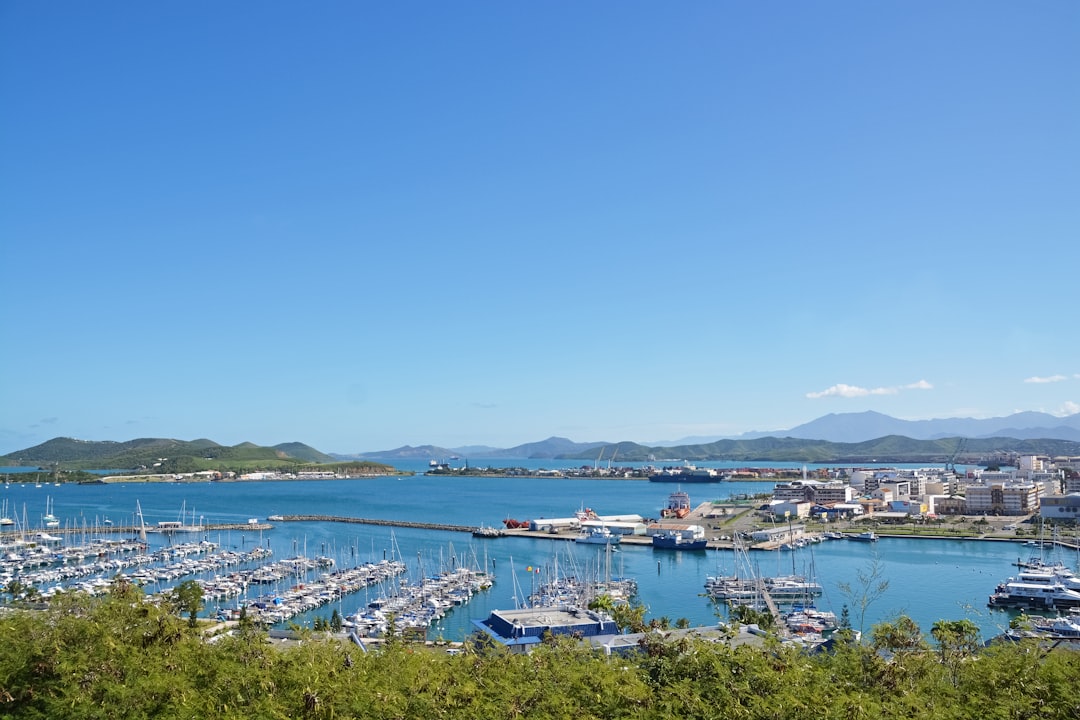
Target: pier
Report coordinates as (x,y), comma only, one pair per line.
(372,521)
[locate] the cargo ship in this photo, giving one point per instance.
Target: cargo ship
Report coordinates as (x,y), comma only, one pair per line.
(686,474)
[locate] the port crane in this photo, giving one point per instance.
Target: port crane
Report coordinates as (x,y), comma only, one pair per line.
(950,464)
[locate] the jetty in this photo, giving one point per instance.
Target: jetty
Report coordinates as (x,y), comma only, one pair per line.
(372,521)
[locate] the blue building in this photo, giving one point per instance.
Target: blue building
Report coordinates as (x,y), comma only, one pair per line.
(520,630)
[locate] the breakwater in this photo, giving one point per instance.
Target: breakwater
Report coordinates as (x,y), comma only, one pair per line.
(372,521)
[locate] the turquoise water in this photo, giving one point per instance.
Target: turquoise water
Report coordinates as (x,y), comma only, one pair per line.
(928,579)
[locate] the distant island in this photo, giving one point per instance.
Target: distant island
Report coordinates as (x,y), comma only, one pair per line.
(161,456)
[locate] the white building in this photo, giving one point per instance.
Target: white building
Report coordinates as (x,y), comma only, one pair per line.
(900,489)
(1032,463)
(790,509)
(1002,499)
(779,533)
(995,476)
(814,491)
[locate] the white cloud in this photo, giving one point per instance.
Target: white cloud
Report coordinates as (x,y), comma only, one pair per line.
(1048,379)
(840,390)
(849,391)
(1069,408)
(853,391)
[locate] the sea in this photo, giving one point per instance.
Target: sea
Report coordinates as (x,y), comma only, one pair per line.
(928,580)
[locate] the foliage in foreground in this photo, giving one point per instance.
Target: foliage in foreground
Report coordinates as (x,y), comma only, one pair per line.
(118,657)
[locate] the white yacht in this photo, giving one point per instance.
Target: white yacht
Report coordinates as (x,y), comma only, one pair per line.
(1036,589)
(599,535)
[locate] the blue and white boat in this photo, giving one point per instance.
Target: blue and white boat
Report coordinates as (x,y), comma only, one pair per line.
(598,535)
(675,540)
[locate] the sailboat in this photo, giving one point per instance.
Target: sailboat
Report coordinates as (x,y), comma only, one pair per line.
(5,519)
(142,525)
(48,519)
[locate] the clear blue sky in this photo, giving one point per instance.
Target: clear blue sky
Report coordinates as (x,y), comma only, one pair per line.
(361,225)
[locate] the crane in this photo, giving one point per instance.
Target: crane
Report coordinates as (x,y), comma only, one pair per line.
(950,464)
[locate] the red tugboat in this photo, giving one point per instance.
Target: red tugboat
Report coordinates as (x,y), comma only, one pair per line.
(678,505)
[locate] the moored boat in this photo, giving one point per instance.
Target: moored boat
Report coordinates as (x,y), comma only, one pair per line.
(675,540)
(1035,589)
(686,474)
(678,505)
(598,535)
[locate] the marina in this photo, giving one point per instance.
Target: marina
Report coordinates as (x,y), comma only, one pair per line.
(305,514)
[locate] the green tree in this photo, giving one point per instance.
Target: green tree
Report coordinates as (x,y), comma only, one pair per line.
(957,641)
(901,636)
(187,597)
(629,617)
(748,615)
(15,589)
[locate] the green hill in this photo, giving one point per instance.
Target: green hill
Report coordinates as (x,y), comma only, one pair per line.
(164,455)
(300,451)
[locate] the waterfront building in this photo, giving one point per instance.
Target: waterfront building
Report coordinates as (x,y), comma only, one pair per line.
(908,507)
(522,630)
(1015,498)
(946,504)
(616,527)
(1060,507)
(792,509)
(554,524)
(778,533)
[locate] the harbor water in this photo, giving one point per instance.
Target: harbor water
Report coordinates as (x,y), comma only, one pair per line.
(928,580)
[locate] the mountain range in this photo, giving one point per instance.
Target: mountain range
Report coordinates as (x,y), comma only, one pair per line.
(854,437)
(858,427)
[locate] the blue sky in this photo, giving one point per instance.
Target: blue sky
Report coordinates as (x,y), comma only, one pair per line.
(363,225)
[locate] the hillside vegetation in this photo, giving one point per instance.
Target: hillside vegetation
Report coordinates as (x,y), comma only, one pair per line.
(168,455)
(115,657)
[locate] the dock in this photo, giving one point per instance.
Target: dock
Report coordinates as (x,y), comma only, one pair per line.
(372,521)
